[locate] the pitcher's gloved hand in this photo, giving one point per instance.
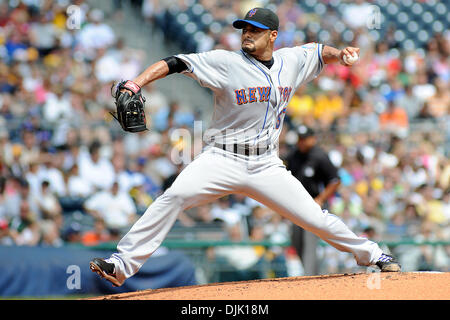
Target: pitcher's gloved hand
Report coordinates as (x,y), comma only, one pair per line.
(129,102)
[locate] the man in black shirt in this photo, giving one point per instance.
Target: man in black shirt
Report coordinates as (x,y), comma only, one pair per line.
(311,165)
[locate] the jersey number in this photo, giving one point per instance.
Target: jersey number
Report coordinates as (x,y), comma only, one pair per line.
(279,118)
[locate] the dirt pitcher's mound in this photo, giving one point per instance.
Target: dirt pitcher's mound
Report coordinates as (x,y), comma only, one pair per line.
(380,286)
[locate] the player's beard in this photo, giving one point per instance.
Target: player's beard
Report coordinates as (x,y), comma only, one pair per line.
(249,49)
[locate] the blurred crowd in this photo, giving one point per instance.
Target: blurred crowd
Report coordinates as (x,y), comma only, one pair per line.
(68,174)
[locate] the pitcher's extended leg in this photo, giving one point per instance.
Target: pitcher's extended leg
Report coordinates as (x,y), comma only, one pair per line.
(287,196)
(208,177)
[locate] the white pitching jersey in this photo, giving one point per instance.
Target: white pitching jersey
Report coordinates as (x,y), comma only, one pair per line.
(250,99)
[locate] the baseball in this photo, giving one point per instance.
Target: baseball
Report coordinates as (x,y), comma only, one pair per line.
(350,59)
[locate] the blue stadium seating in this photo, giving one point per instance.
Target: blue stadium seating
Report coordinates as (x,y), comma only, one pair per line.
(408,16)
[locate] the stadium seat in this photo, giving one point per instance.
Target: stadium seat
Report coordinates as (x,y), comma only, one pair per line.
(438,26)
(441,9)
(392,9)
(402,18)
(427,17)
(417,9)
(308,5)
(406,3)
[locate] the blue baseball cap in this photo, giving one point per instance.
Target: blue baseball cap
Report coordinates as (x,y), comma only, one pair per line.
(259,17)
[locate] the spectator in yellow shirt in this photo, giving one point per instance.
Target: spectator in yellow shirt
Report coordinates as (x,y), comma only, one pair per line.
(301,105)
(328,106)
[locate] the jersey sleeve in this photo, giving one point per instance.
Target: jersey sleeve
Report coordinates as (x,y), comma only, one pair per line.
(310,62)
(209,68)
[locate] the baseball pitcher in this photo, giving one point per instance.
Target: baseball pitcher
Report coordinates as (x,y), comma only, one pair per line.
(251,88)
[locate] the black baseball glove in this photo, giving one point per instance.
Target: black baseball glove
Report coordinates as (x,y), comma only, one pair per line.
(130,106)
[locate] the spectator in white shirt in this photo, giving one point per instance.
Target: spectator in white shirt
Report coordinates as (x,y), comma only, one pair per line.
(114,207)
(49,205)
(221,210)
(359,14)
(107,68)
(77,186)
(33,178)
(126,179)
(97,170)
(25,230)
(43,34)
(50,171)
(57,106)
(96,34)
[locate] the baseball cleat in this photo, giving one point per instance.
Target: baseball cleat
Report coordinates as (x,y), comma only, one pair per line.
(388,263)
(105,270)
